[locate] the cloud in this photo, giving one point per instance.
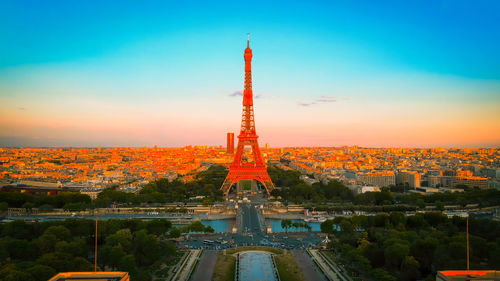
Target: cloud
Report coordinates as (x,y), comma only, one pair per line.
(237,93)
(322,99)
(303,103)
(327,99)
(21,108)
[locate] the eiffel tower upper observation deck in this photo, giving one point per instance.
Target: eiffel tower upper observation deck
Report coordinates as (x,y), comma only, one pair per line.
(241,169)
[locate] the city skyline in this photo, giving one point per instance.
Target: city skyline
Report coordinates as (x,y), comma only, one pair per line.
(390,75)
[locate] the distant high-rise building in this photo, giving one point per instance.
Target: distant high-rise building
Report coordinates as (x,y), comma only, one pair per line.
(266,146)
(230,143)
(380,179)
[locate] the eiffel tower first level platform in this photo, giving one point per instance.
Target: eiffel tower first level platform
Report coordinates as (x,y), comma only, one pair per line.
(241,168)
(238,174)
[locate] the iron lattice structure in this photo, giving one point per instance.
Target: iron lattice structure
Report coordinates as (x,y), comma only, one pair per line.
(241,169)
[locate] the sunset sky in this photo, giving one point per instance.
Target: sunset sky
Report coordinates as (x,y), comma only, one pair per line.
(169,73)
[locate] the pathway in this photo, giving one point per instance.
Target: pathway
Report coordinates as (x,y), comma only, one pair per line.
(187,266)
(323,265)
(205,268)
(310,271)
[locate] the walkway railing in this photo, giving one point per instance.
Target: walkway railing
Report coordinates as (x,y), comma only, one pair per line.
(237,268)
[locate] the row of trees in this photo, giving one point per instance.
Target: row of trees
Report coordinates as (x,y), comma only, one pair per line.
(206,183)
(287,223)
(398,247)
(65,200)
(487,197)
(37,251)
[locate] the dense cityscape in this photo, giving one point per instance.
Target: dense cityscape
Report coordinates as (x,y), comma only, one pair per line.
(429,170)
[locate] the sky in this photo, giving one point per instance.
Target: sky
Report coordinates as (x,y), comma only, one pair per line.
(325,73)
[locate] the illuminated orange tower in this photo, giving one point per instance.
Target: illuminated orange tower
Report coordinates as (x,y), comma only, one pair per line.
(242,169)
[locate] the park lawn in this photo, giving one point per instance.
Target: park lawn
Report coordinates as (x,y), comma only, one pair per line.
(287,267)
(247,184)
(224,268)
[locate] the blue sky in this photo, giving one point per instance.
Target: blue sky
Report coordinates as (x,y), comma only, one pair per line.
(327,73)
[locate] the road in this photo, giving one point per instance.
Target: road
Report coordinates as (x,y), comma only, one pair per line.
(205,267)
(306,265)
(250,219)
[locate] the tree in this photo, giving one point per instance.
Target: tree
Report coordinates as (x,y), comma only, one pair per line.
(122,237)
(158,226)
(382,275)
(420,203)
(45,208)
(346,227)
(297,225)
(327,226)
(127,264)
(423,251)
(395,254)
(196,226)
(28,206)
(4,206)
(61,262)
(174,232)
(308,227)
(81,264)
(59,231)
(10,272)
(19,249)
(410,269)
(147,248)
(41,272)
(439,205)
(397,218)
(47,242)
(115,255)
(74,206)
(286,223)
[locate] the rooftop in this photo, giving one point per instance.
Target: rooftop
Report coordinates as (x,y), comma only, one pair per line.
(466,275)
(91,276)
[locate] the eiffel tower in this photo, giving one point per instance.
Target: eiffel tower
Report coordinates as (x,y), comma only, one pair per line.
(241,169)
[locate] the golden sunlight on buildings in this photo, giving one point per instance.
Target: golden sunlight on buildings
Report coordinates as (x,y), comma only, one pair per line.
(90,170)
